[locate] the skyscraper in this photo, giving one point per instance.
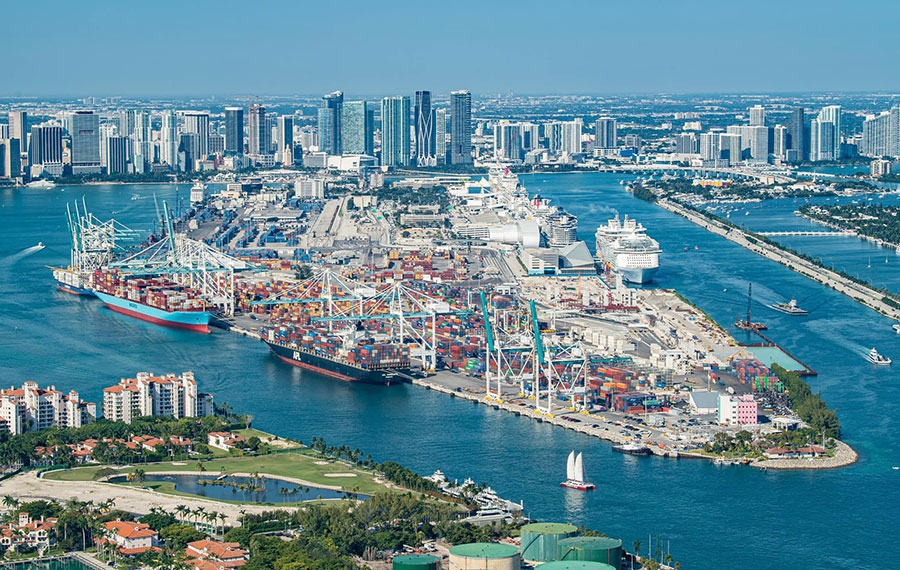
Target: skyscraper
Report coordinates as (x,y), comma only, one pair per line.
(395,130)
(141,136)
(10,158)
(440,136)
(198,123)
(357,136)
(780,142)
(234,130)
(461,127)
(821,146)
(758,137)
(329,119)
(797,133)
(125,120)
(757,116)
(116,154)
(880,136)
(85,132)
(46,145)
(687,143)
(259,136)
(284,139)
(507,141)
(18,128)
(731,147)
(709,146)
(188,151)
(605,133)
(424,119)
(169,140)
(570,136)
(821,140)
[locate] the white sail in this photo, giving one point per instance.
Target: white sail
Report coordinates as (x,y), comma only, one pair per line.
(570,466)
(578,474)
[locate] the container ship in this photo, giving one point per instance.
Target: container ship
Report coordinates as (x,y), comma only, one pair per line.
(349,357)
(156,300)
(626,248)
(72,281)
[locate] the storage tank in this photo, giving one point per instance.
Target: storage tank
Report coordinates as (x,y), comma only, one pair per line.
(540,540)
(592,549)
(417,562)
(485,556)
(575,565)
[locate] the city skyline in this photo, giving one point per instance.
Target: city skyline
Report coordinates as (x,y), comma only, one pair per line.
(664,50)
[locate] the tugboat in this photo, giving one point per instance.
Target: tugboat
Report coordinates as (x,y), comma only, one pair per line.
(878,359)
(789,308)
(575,478)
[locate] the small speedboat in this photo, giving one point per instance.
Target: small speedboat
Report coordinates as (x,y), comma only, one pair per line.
(896,327)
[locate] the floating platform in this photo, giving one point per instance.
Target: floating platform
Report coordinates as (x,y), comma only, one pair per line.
(768,352)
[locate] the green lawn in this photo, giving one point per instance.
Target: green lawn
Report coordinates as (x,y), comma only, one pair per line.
(297,464)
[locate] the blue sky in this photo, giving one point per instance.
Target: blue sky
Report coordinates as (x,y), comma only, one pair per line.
(201,47)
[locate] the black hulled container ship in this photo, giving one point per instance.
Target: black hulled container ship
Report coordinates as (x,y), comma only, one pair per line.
(349,356)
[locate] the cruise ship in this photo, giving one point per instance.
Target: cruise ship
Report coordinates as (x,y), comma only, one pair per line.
(625,247)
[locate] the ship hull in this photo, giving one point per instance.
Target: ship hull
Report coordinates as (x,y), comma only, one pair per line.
(73,290)
(331,368)
(580,486)
(632,450)
(196,321)
(642,275)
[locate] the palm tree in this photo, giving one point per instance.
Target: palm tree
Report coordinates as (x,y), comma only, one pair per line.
(181,511)
(637,551)
(222,519)
(11,502)
(201,512)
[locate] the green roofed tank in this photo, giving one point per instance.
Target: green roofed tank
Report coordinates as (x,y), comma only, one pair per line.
(540,540)
(417,562)
(485,556)
(592,549)
(575,565)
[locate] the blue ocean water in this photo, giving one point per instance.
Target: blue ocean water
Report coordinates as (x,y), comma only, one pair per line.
(713,517)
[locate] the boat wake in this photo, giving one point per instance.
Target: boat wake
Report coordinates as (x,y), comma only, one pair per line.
(9,260)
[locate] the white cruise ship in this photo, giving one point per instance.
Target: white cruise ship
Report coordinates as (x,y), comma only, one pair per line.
(626,248)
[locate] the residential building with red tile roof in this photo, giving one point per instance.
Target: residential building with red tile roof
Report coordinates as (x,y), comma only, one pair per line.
(223,439)
(33,408)
(149,395)
(214,555)
(131,537)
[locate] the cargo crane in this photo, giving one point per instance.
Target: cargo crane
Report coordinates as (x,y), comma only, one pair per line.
(412,315)
(504,342)
(95,244)
(188,262)
(573,359)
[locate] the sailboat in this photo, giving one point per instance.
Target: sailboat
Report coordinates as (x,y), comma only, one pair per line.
(575,478)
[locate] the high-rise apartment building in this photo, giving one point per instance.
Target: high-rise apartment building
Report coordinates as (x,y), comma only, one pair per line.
(570,136)
(880,136)
(234,130)
(168,139)
(329,119)
(424,122)
(461,127)
(731,147)
(709,146)
(198,123)
(758,142)
(395,130)
(798,133)
(440,136)
(18,127)
(10,158)
(780,141)
(149,395)
(606,133)
(507,141)
(142,154)
(687,143)
(757,116)
(821,147)
(357,125)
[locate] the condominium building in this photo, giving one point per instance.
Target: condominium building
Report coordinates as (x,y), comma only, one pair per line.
(32,408)
(149,395)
